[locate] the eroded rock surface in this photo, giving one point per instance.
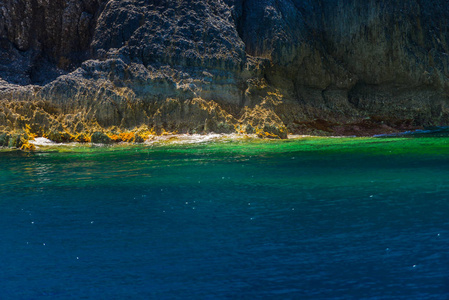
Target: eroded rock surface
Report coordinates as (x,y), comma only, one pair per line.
(251,66)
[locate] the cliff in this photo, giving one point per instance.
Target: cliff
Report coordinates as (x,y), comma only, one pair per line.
(329,67)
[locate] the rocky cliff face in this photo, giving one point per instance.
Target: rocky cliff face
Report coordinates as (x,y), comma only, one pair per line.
(266,66)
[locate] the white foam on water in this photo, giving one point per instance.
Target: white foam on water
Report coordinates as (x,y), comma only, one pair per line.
(41,141)
(195,138)
(299,136)
(169,139)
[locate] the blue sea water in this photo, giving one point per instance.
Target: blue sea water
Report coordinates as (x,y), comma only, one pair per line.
(325,219)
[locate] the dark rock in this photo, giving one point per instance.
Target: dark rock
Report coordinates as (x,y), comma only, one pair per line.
(100,138)
(4,139)
(138,139)
(45,34)
(82,138)
(268,65)
(59,136)
(17,140)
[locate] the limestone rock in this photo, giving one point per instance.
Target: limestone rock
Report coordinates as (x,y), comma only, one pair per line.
(272,66)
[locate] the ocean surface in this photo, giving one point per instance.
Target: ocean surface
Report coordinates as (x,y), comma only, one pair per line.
(311,218)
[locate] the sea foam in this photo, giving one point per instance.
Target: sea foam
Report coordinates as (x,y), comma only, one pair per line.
(195,138)
(41,141)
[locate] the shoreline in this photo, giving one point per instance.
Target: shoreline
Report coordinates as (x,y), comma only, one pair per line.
(44,144)
(29,143)
(223,145)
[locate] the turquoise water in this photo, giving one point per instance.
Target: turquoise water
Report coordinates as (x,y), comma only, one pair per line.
(299,219)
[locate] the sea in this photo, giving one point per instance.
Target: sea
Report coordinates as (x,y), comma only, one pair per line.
(304,218)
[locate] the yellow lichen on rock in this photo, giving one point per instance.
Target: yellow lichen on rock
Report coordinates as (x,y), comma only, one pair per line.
(59,136)
(144,133)
(45,118)
(263,122)
(28,147)
(82,138)
(28,130)
(127,137)
(115,138)
(266,134)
